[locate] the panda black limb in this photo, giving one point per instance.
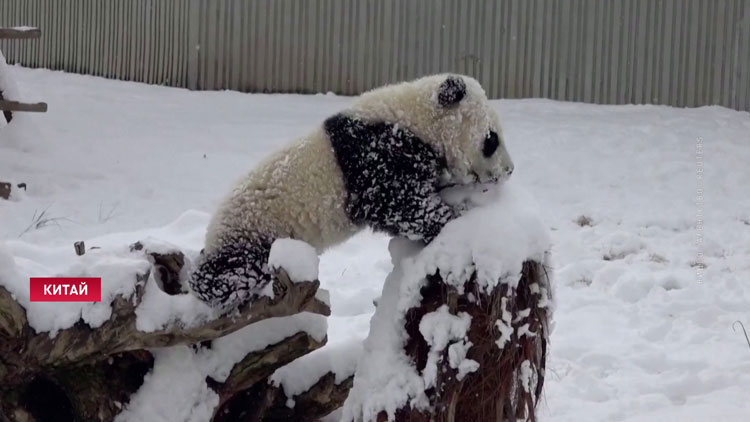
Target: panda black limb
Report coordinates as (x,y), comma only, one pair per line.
(391,178)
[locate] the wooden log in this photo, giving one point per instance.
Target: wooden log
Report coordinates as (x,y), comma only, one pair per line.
(5,190)
(20,33)
(16,106)
(26,352)
(264,402)
(95,392)
(320,400)
(90,374)
(248,379)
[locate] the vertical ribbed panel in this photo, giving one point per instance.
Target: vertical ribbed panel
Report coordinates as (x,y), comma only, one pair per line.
(678,52)
(140,40)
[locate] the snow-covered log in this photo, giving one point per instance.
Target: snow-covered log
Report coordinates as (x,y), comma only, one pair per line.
(90,368)
(461,331)
(304,390)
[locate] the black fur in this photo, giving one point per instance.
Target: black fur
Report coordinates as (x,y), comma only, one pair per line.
(233,275)
(391,177)
(491,142)
(451,91)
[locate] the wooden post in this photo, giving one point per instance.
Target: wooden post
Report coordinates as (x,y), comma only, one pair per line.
(20,33)
(4,190)
(6,106)
(18,106)
(8,115)
(80,247)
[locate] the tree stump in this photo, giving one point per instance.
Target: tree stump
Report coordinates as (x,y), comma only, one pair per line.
(507,383)
(488,366)
(462,328)
(90,374)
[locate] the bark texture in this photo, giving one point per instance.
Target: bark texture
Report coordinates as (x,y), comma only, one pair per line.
(508,384)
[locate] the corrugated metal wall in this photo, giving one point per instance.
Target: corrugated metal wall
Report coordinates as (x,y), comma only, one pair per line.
(678,52)
(138,40)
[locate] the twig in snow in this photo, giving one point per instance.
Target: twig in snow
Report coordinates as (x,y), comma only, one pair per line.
(743,331)
(40,220)
(109,215)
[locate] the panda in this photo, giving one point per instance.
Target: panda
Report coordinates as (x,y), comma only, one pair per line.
(379,164)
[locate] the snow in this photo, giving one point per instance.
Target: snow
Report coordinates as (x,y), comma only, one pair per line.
(118,270)
(457,359)
(494,238)
(639,336)
(111,258)
(24,28)
(7,85)
(158,309)
(441,329)
(14,134)
(301,374)
(176,389)
(297,258)
(504,324)
(385,379)
(228,350)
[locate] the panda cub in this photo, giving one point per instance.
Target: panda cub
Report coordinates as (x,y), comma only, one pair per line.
(379,164)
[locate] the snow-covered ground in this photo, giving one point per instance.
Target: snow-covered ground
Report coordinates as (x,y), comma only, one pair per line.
(640,335)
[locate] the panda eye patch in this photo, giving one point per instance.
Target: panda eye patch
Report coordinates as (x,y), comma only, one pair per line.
(491,142)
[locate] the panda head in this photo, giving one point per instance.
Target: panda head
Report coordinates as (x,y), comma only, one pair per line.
(451,113)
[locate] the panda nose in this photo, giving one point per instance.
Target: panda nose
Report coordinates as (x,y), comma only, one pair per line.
(509,170)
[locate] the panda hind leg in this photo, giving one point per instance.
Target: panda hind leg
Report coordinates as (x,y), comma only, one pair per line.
(232,276)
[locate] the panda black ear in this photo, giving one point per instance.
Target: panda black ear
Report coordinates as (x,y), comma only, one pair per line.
(451,91)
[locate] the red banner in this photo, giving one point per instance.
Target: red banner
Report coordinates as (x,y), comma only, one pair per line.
(66,289)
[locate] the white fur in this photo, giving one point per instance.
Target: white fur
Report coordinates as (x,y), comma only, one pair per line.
(457,132)
(299,191)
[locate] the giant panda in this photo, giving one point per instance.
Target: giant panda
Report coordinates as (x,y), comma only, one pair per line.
(380,164)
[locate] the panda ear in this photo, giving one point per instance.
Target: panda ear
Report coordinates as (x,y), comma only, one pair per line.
(451,91)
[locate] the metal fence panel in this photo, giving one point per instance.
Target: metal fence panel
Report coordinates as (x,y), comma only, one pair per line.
(677,52)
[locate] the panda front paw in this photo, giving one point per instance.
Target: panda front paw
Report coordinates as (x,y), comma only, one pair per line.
(231,276)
